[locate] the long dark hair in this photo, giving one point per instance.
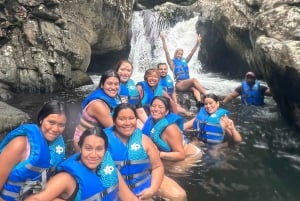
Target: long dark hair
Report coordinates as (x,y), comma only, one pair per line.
(97,131)
(121,107)
(107,74)
(51,107)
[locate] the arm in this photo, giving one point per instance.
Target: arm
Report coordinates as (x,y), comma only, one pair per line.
(12,154)
(188,58)
(172,135)
(100,110)
(125,194)
(232,95)
(156,166)
(229,127)
(188,124)
(268,92)
(62,185)
(173,104)
(168,57)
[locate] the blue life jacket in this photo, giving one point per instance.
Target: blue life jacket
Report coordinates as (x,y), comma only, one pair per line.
(149,94)
(154,130)
(101,95)
(130,92)
(208,126)
(42,157)
(181,69)
(132,160)
(101,185)
(252,95)
(167,84)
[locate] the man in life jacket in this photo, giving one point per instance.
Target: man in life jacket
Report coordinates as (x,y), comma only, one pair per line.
(251,91)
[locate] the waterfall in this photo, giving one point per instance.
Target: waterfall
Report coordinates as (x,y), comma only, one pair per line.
(146,47)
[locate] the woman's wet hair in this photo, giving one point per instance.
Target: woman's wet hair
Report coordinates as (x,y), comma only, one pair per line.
(150,71)
(122,62)
(123,106)
(165,100)
(212,96)
(51,107)
(177,50)
(107,74)
(97,131)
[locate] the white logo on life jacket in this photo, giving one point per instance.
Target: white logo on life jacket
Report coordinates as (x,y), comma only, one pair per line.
(135,146)
(108,169)
(59,149)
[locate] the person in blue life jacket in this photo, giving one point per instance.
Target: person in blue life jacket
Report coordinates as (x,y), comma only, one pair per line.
(251,91)
(166,131)
(150,88)
(180,69)
(138,159)
(30,153)
(90,174)
(98,106)
(212,124)
(128,90)
(167,82)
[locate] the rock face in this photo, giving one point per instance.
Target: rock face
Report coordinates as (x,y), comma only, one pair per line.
(46,45)
(262,36)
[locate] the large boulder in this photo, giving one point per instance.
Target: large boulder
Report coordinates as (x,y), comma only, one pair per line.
(262,36)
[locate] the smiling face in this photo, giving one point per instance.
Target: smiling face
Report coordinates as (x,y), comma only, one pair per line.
(125,123)
(92,151)
(152,79)
(163,70)
(211,105)
(111,86)
(53,125)
(125,71)
(178,54)
(158,110)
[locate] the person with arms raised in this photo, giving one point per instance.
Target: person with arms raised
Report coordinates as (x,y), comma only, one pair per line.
(180,69)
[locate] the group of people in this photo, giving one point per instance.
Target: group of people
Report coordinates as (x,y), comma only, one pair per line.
(128,136)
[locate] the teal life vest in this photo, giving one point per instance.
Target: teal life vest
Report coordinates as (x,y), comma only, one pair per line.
(167,84)
(132,160)
(208,126)
(129,91)
(101,185)
(149,94)
(42,157)
(155,129)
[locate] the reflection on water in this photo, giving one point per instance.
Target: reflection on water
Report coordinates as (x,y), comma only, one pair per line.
(265,166)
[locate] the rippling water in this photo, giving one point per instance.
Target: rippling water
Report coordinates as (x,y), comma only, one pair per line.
(265,166)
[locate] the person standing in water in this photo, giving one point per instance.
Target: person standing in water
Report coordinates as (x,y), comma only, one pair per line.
(180,69)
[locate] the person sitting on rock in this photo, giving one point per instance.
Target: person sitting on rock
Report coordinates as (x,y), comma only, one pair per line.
(180,70)
(251,91)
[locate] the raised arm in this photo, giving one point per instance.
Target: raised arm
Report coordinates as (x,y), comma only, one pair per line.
(188,58)
(168,57)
